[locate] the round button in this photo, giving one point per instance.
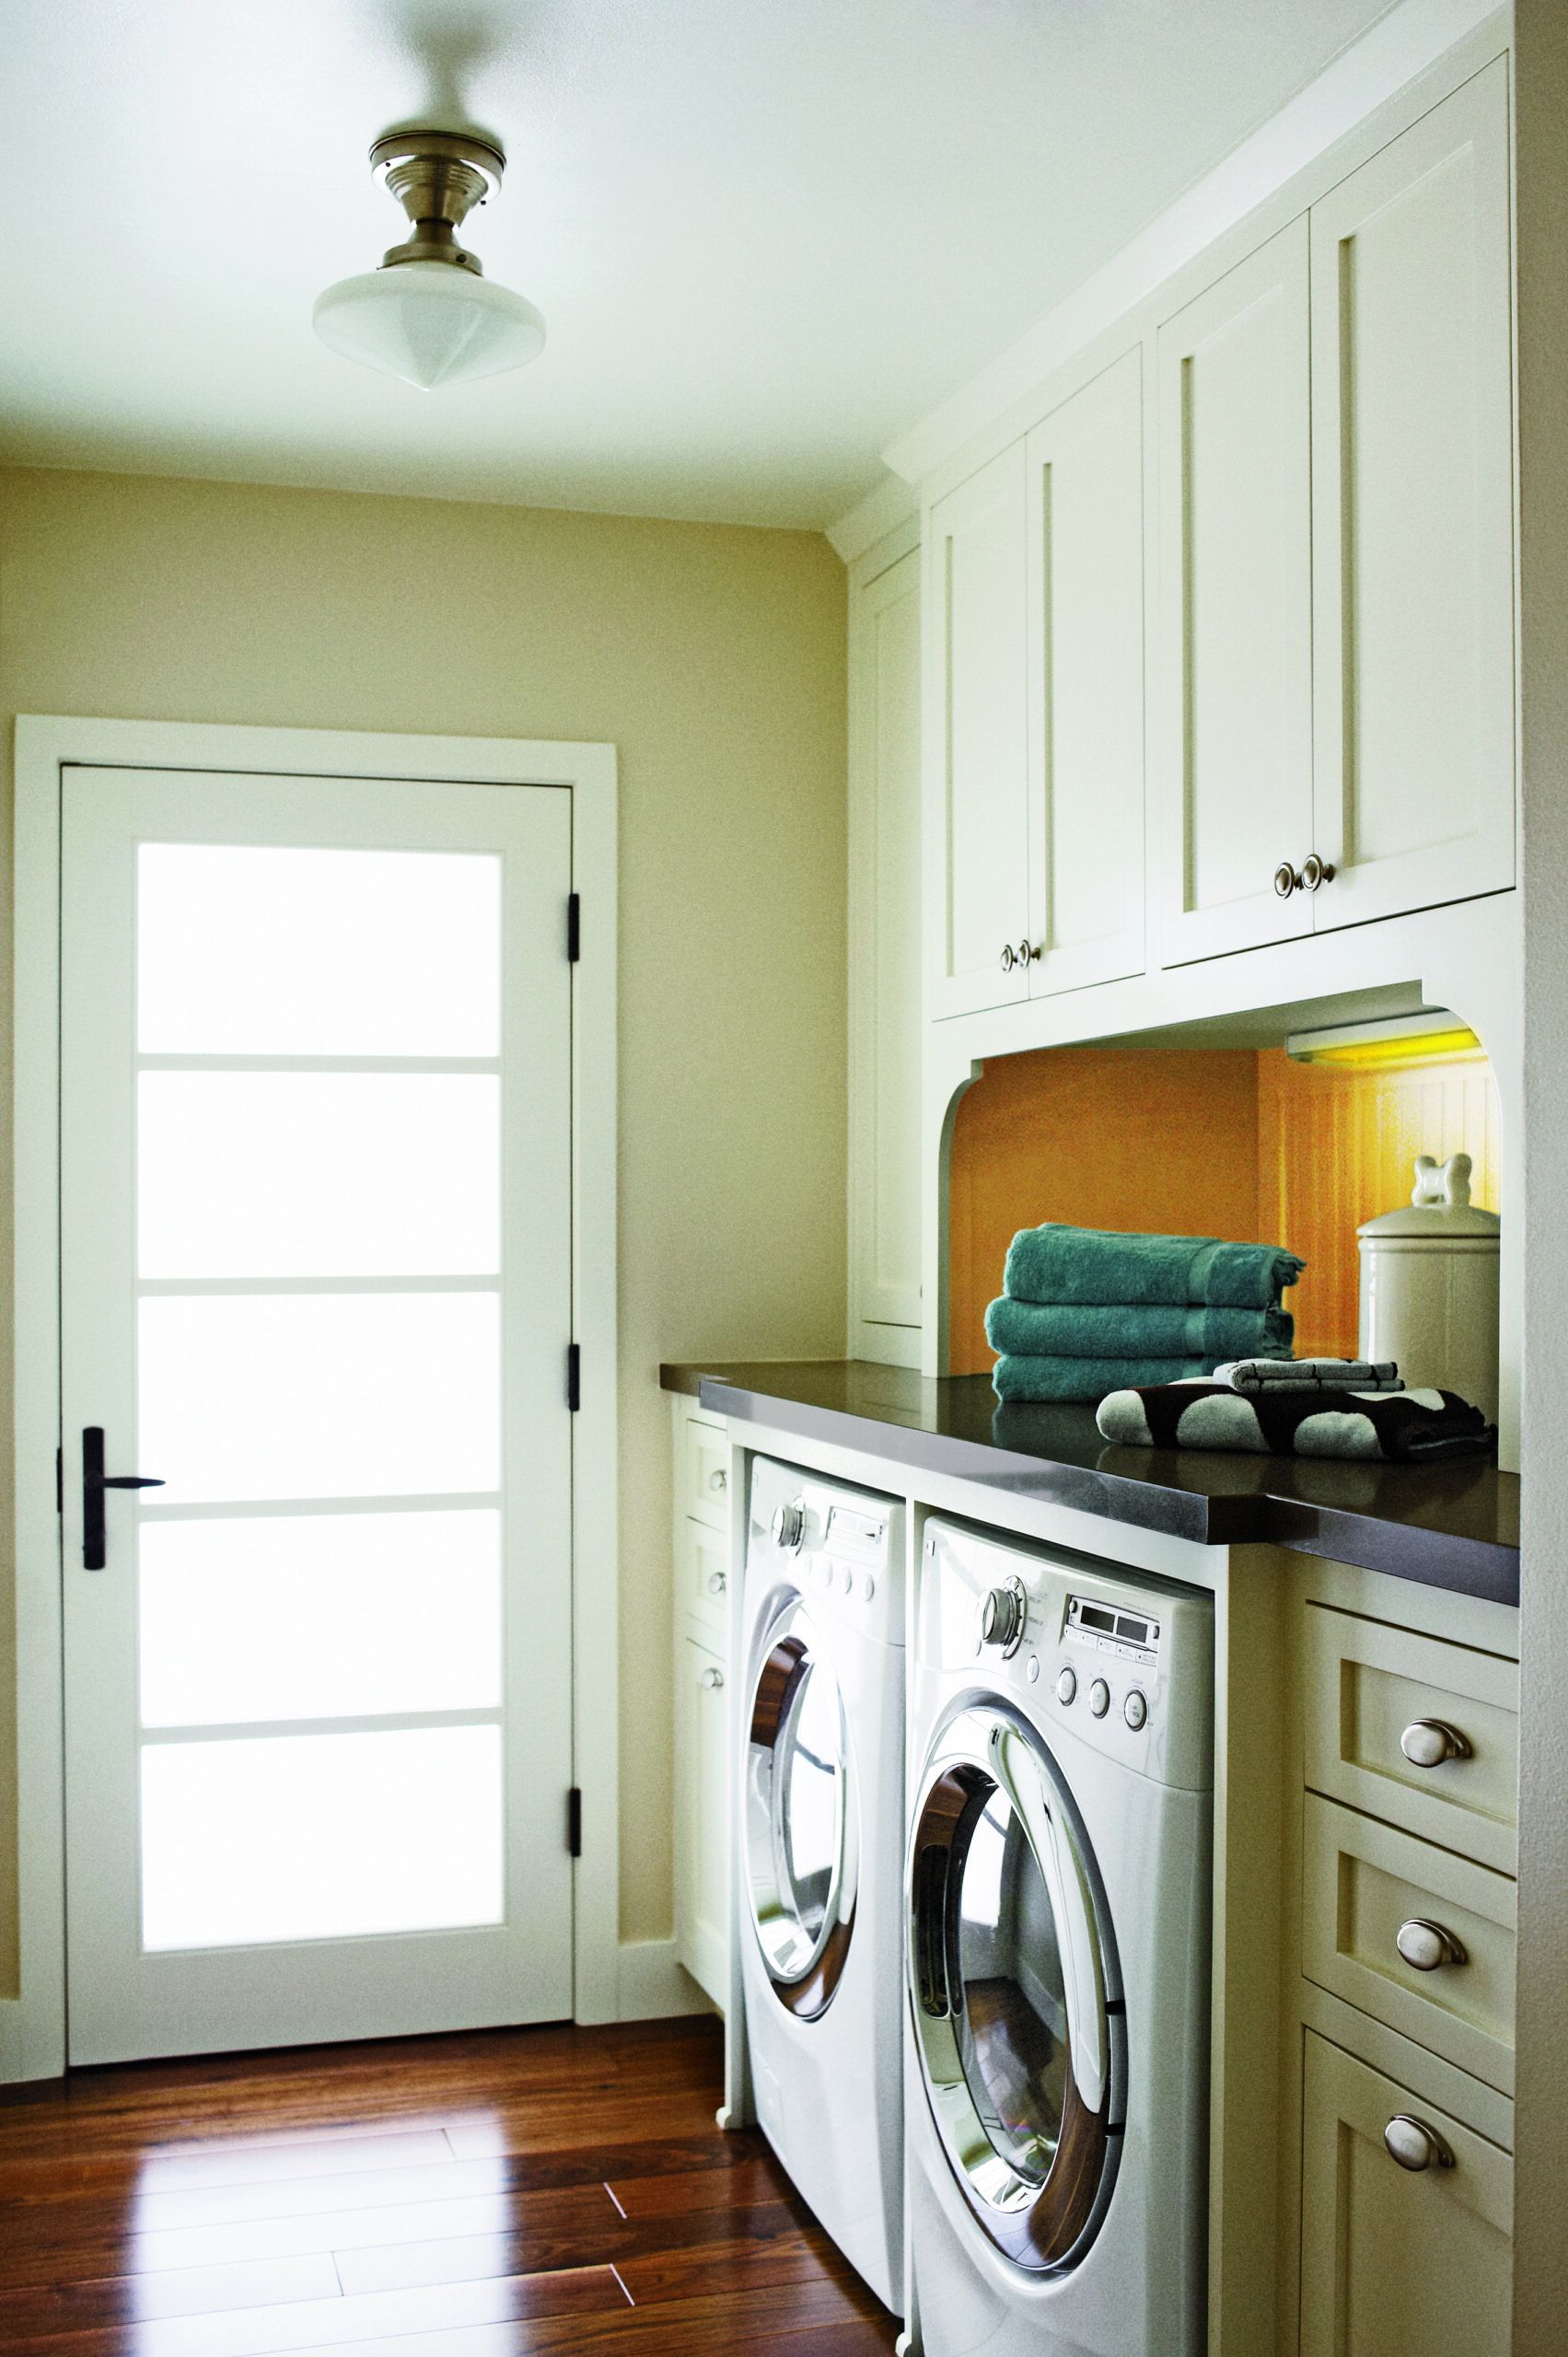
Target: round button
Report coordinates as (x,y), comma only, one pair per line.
(1066,1685)
(868,1586)
(1135,1710)
(847,1579)
(1099,1697)
(1031,1668)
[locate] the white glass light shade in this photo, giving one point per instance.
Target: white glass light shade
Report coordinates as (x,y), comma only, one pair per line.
(429,322)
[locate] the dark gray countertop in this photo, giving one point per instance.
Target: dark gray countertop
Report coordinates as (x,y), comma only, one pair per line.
(1453,1525)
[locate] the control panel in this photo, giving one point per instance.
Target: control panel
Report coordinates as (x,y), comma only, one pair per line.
(1121,1659)
(841,1547)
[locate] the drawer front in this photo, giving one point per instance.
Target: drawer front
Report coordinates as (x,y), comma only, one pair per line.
(1367,1886)
(702,1576)
(1370,1688)
(1397,2260)
(704,1472)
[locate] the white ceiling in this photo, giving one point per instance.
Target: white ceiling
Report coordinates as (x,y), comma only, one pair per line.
(767,235)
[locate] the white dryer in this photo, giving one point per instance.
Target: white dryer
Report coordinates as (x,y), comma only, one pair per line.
(820,1837)
(1058,1886)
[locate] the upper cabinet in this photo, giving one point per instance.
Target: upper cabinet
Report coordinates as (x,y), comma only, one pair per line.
(1085,685)
(1412,517)
(978,906)
(1334,722)
(1036,648)
(1233,707)
(1320,440)
(884,962)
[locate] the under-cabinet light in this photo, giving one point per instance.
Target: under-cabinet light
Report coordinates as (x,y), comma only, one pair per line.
(1435,1037)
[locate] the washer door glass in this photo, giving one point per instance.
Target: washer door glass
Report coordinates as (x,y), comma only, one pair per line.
(800,1814)
(1012,1975)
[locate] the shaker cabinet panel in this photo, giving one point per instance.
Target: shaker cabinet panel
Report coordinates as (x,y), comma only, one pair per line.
(1232,752)
(885,961)
(978,830)
(1397,2257)
(1085,654)
(701,1817)
(1413,473)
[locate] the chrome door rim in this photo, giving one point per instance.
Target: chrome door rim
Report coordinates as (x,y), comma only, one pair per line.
(1044,2222)
(805,1973)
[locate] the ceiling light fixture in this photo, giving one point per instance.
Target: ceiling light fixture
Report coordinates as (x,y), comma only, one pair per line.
(429,315)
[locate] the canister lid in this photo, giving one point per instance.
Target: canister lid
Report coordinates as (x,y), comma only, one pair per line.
(1439,1210)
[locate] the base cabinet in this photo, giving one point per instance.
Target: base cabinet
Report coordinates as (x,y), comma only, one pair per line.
(701,1815)
(1398,2256)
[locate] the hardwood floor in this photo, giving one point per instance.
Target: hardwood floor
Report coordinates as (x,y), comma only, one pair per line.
(488,2194)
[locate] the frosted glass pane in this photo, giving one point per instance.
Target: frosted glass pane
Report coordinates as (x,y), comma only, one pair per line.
(320,1394)
(273,1174)
(244,950)
(319,1617)
(315,1837)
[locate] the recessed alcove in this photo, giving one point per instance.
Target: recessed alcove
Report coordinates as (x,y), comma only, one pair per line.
(1217,1132)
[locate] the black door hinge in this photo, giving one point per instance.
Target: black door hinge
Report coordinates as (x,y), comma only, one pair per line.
(574,1376)
(574,928)
(59,1480)
(574,1822)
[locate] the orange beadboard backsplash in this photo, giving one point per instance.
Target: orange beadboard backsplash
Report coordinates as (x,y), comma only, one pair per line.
(1237,1142)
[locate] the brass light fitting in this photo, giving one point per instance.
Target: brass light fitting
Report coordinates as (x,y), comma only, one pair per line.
(428,314)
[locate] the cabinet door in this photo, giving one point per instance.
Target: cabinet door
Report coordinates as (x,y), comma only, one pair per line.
(1233,744)
(885,974)
(701,1817)
(1086,684)
(977,817)
(1412,458)
(1395,2260)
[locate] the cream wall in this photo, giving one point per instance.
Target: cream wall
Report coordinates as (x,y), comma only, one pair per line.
(714,658)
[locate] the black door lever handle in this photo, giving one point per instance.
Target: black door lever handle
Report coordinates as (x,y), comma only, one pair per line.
(95,1481)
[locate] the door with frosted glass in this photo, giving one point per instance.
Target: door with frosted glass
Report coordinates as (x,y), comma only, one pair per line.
(314,1204)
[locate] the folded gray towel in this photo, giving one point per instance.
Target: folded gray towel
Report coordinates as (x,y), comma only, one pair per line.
(1265,1374)
(1035,1329)
(1411,1425)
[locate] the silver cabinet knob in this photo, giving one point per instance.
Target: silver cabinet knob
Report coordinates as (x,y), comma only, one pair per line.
(1415,2145)
(1424,1944)
(1286,880)
(1427,1743)
(789,1526)
(713,1679)
(1023,953)
(718,1480)
(1315,871)
(1002,1616)
(717,1583)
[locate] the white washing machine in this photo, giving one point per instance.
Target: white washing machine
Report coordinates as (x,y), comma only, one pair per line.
(1058,1883)
(821,1831)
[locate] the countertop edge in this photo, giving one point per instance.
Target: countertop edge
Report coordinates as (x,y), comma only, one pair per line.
(1488,1570)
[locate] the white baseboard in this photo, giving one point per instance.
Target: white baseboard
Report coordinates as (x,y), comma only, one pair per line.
(652,1986)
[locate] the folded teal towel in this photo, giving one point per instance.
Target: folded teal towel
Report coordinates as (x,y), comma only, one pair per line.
(1100,1265)
(1047,1329)
(1049,1378)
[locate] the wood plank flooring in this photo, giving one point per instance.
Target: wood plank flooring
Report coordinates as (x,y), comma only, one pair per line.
(491,2195)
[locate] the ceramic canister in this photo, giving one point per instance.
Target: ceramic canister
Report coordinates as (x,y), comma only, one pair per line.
(1429,1285)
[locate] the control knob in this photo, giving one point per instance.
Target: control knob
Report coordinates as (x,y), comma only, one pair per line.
(1002,1616)
(789,1526)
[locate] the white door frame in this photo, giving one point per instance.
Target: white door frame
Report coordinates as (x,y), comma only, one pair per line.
(32,2026)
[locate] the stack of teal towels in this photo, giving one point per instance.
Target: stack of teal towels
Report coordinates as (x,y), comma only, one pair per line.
(1088,1310)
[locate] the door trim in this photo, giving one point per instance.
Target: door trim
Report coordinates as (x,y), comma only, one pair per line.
(32,2024)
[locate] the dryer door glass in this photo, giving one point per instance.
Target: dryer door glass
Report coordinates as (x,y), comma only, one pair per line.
(1013,1974)
(800,1816)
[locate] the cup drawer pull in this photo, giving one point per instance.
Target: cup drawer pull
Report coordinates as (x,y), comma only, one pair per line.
(1424,1944)
(1415,2145)
(1427,1743)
